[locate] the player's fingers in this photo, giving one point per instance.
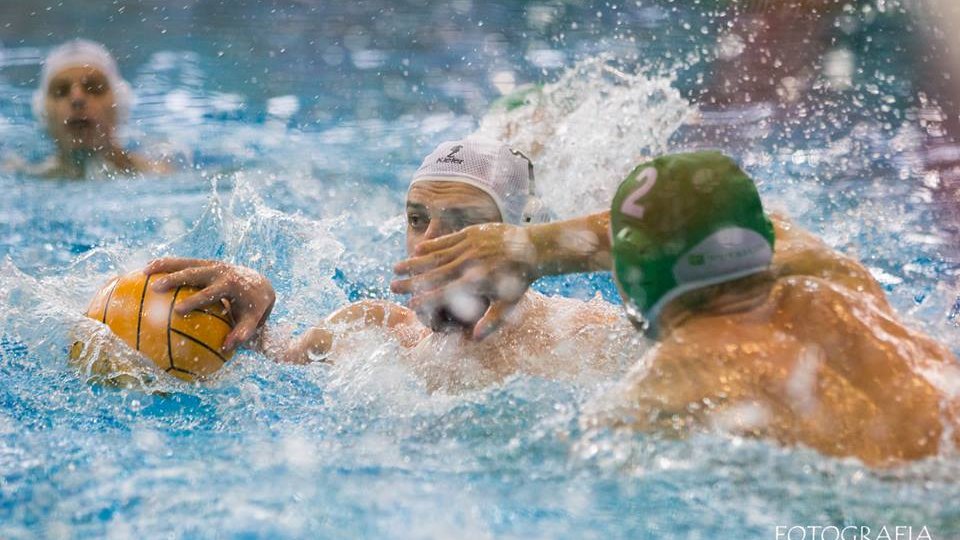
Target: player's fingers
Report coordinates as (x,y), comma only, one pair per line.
(492,320)
(191,277)
(429,261)
(431,279)
(444,242)
(241,333)
(173,264)
(427,300)
(203,298)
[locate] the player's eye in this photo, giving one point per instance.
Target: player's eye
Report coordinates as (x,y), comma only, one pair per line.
(95,87)
(417,221)
(60,89)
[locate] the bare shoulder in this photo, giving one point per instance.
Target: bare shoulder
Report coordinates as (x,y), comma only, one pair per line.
(373,312)
(581,313)
(145,165)
(805,294)
(858,328)
(799,253)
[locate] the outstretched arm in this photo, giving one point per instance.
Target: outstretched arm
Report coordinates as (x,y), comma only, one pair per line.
(318,343)
(251,297)
(500,261)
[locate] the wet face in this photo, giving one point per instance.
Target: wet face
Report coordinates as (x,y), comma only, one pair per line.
(438,208)
(81,109)
(435,209)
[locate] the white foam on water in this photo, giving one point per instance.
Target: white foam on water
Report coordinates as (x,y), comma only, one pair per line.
(589,129)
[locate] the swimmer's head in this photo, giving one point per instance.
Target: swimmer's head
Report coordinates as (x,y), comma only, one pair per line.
(439,207)
(82,97)
(464,183)
(491,167)
(684,222)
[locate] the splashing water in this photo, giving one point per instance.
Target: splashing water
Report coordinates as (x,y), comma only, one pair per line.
(588,130)
(310,194)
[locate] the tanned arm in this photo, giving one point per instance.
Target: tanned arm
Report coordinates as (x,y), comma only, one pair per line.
(319,342)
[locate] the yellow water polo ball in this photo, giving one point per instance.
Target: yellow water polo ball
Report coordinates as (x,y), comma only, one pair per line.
(185,346)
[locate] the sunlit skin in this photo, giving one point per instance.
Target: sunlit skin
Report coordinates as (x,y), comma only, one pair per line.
(81,118)
(535,325)
(809,352)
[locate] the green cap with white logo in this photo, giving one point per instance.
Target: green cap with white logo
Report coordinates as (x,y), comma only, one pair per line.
(683,222)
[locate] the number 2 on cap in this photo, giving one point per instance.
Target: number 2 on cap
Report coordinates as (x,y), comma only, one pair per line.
(631,205)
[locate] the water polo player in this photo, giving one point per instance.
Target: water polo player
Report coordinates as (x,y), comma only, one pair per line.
(459,184)
(761,328)
(82,100)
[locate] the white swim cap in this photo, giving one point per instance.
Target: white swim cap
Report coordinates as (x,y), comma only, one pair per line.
(80,53)
(504,174)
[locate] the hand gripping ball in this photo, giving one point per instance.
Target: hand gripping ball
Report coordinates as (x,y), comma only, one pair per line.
(185,346)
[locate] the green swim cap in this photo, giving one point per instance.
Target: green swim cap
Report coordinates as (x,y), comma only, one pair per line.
(683,222)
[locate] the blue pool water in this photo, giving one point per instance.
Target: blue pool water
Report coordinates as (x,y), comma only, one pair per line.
(301,122)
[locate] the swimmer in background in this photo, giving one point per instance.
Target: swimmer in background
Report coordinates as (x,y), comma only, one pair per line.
(459,184)
(761,329)
(82,100)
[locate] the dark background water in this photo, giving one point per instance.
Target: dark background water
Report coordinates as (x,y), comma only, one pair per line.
(381,59)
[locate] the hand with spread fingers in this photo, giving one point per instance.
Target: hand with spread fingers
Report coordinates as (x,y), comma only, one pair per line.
(495,261)
(499,262)
(249,296)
